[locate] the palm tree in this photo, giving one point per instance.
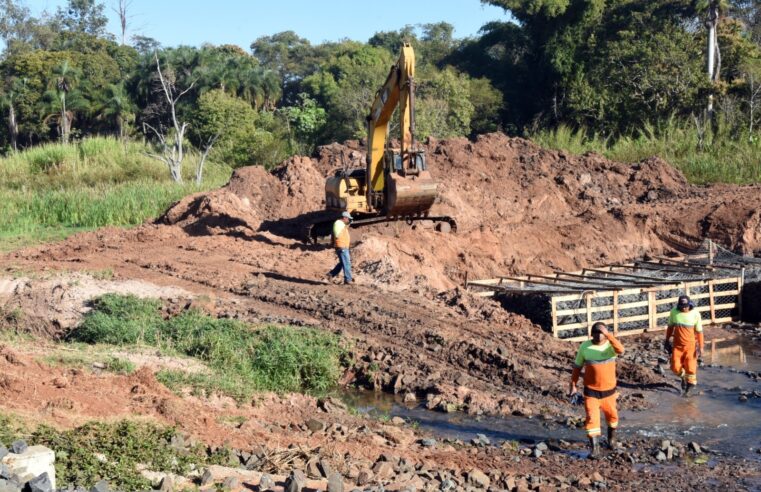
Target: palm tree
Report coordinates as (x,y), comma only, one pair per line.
(62,84)
(118,108)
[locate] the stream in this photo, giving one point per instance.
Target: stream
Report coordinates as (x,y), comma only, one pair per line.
(714,416)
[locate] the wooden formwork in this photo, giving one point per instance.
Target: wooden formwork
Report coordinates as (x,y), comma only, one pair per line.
(630,298)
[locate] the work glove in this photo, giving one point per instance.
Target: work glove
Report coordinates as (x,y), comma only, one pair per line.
(668,347)
(577,399)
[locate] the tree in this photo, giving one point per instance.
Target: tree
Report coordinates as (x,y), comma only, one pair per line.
(443,103)
(122,10)
(345,86)
(172,153)
(84,16)
(229,123)
(305,123)
(118,108)
(64,81)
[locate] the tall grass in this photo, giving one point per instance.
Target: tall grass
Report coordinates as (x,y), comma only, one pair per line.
(244,359)
(53,189)
(721,157)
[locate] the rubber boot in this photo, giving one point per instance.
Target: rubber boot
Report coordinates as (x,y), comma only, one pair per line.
(684,385)
(687,388)
(612,443)
(594,448)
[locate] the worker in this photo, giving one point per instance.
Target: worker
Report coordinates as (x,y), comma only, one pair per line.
(598,359)
(341,244)
(685,326)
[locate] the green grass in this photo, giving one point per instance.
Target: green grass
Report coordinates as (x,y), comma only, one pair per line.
(722,157)
(244,359)
(50,191)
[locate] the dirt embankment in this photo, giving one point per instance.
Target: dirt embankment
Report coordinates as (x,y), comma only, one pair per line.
(518,207)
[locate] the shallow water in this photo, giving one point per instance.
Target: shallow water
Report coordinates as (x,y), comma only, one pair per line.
(713,417)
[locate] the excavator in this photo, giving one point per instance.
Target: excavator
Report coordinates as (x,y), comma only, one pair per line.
(395,184)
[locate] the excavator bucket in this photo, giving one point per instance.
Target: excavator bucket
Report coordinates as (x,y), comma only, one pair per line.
(410,195)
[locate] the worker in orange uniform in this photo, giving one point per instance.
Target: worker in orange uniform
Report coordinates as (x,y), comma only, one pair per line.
(686,327)
(341,242)
(598,359)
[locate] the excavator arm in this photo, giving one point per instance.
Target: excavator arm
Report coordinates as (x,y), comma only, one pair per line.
(399,89)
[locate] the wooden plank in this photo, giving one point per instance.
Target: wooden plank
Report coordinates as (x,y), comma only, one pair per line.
(624,333)
(607,307)
(540,282)
(629,319)
(639,278)
(583,283)
(740,285)
(710,301)
(554,310)
(633,283)
(589,313)
(672,266)
(615,313)
(651,309)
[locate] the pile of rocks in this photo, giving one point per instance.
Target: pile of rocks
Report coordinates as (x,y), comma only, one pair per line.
(26,468)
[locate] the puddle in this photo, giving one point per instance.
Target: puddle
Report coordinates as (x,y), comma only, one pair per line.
(713,417)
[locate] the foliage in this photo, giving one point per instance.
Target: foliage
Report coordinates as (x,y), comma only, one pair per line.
(55,188)
(718,159)
(229,120)
(244,359)
(80,453)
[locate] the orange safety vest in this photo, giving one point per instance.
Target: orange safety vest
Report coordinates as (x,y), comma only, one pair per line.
(340,235)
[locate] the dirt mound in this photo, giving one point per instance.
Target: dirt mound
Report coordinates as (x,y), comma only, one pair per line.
(251,197)
(518,207)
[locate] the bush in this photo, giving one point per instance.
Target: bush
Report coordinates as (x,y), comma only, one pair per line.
(244,359)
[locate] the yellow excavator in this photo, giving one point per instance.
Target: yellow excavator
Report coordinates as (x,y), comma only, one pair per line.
(395,184)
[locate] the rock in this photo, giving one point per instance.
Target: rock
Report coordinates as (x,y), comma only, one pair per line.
(3,451)
(335,482)
(398,421)
(537,453)
(206,478)
(541,446)
(365,476)
(447,485)
(479,479)
(383,470)
(324,467)
(598,478)
(481,440)
(167,484)
(584,483)
(428,443)
(695,447)
(409,398)
(315,425)
(231,483)
(101,486)
(5,472)
(296,481)
(39,484)
(661,456)
(266,482)
(312,470)
(19,446)
(8,486)
(665,444)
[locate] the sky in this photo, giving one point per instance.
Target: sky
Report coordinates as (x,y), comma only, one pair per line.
(193,22)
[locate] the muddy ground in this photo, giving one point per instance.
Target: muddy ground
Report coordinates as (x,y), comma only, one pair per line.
(236,253)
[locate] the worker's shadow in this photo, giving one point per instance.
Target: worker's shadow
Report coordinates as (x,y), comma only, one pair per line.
(288,278)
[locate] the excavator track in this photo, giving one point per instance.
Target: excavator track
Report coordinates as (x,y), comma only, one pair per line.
(320,232)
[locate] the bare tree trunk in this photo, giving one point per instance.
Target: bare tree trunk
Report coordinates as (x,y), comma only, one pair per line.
(711,23)
(13,127)
(172,155)
(64,118)
(121,10)
(199,169)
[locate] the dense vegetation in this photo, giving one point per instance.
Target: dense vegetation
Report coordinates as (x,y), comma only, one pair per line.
(608,67)
(243,359)
(95,130)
